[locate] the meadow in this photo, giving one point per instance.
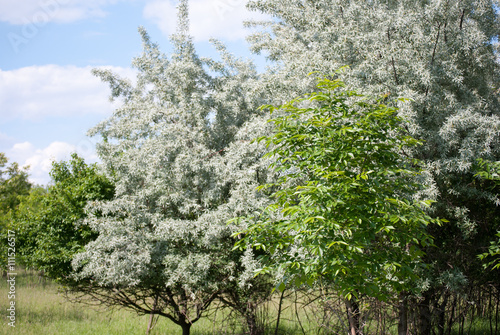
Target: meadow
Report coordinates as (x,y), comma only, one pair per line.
(42,308)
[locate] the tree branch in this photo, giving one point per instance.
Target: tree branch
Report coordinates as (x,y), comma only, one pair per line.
(434,53)
(462,18)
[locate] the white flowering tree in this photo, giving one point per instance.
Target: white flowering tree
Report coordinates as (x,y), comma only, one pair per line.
(179,153)
(443,56)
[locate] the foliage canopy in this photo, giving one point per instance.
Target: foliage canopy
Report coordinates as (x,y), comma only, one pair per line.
(343,208)
(48,221)
(177,150)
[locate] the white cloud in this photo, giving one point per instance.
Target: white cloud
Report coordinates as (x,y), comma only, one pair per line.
(40,160)
(209,18)
(23,147)
(40,12)
(221,19)
(36,92)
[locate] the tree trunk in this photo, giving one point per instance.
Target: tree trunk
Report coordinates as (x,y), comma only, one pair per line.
(403,314)
(424,317)
(279,313)
(152,316)
(184,322)
(442,314)
(451,319)
(496,309)
(251,320)
(150,323)
(352,315)
(186,328)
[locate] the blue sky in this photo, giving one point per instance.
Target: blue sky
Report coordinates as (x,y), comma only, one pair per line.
(48,97)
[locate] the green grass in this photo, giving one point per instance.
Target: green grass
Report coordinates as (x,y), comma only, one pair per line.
(41,309)
(477,327)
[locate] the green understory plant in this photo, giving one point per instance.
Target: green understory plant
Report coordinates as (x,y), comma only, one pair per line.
(343,209)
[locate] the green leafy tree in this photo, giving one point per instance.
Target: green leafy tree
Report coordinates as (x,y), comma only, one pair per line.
(48,221)
(343,209)
(14,184)
(489,173)
(443,55)
(178,152)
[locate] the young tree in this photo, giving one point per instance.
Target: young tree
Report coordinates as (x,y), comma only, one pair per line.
(48,220)
(343,208)
(14,184)
(178,152)
(441,54)
(489,174)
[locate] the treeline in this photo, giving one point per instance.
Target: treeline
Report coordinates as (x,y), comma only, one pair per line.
(371,188)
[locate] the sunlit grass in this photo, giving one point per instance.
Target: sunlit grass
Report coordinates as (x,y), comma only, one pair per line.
(42,309)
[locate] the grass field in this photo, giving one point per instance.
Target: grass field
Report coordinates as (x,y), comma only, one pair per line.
(41,309)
